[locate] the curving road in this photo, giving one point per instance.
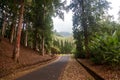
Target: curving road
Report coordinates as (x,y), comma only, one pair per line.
(50,72)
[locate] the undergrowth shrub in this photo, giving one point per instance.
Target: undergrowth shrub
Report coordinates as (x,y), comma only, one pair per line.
(105,49)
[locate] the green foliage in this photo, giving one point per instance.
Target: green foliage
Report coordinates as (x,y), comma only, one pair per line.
(94,32)
(66,47)
(86,17)
(105,49)
(65,44)
(55,50)
(37,21)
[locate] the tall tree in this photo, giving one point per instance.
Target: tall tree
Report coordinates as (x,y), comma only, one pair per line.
(43,12)
(14,8)
(34,18)
(4,8)
(16,51)
(87,13)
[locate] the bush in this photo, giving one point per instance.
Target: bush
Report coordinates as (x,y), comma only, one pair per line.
(105,49)
(55,50)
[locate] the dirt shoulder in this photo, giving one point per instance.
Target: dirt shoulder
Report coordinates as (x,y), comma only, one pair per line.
(74,71)
(105,71)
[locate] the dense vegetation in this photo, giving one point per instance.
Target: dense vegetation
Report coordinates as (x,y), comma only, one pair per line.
(96,34)
(64,45)
(29,23)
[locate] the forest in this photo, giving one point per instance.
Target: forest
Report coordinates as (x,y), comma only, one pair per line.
(29,23)
(96,33)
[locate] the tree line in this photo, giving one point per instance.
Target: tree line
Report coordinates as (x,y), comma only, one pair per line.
(63,46)
(29,23)
(96,33)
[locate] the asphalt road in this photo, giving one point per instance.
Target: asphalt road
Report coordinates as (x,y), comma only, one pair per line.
(49,72)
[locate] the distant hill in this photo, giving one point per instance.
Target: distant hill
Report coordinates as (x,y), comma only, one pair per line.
(65,34)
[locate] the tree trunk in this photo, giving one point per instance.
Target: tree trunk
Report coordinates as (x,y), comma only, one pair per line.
(43,43)
(4,25)
(86,42)
(35,40)
(12,33)
(13,26)
(26,37)
(85,26)
(18,37)
(4,28)
(15,33)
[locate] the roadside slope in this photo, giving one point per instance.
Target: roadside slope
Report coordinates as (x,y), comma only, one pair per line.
(27,58)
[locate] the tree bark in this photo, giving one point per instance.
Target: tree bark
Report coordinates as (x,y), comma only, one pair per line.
(4,28)
(13,26)
(86,42)
(16,51)
(35,40)
(15,33)
(43,43)
(12,33)
(85,26)
(26,37)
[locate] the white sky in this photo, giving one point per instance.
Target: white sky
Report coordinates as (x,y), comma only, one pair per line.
(115,4)
(66,25)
